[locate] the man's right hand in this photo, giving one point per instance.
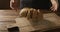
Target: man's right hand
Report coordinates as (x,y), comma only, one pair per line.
(31,13)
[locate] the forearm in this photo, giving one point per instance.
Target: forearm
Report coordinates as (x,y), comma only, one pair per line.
(55,2)
(55,5)
(11,3)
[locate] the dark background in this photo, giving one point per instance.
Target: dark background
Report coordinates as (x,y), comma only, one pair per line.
(5,4)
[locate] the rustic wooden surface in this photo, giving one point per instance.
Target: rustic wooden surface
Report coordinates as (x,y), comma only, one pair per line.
(50,20)
(7,17)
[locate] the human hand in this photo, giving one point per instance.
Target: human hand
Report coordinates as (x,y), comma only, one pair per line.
(31,13)
(54,5)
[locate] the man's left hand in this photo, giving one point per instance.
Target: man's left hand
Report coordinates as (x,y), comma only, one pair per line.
(54,5)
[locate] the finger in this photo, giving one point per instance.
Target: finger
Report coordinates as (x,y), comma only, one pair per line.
(40,15)
(38,10)
(34,14)
(23,12)
(52,8)
(31,12)
(28,14)
(55,9)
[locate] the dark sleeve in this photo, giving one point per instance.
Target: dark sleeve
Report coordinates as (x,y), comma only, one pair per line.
(25,3)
